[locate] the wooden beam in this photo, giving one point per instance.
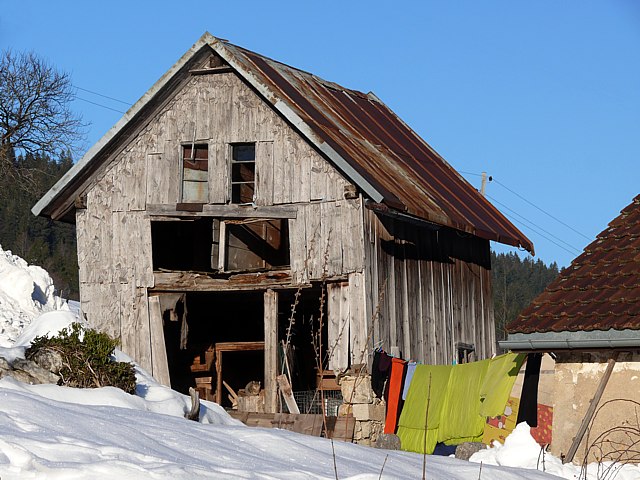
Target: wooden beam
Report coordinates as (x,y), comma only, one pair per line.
(271,350)
(224,211)
(201,282)
(222,246)
(591,410)
(159,364)
(287,394)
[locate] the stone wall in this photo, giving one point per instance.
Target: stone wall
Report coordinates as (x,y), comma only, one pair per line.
(360,402)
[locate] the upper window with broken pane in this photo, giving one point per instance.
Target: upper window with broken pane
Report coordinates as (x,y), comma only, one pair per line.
(243,172)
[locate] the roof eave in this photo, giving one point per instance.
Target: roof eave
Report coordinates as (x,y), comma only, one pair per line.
(566,340)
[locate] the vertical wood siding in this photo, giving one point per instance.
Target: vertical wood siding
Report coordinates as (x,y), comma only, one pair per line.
(114,235)
(432,291)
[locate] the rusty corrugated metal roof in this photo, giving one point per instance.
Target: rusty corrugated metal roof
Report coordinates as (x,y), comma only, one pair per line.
(600,290)
(360,134)
(407,173)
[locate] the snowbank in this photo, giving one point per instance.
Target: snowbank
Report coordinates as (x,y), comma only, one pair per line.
(521,450)
(52,432)
(26,291)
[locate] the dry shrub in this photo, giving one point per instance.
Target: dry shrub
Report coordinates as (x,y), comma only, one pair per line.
(86,358)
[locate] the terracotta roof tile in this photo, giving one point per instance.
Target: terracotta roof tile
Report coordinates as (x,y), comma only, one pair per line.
(600,290)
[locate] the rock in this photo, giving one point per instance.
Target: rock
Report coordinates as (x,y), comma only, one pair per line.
(466,449)
(4,365)
(49,359)
(369,411)
(34,373)
(388,441)
(356,389)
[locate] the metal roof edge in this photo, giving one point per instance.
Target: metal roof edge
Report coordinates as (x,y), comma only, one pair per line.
(286,111)
(567,340)
(523,242)
(86,159)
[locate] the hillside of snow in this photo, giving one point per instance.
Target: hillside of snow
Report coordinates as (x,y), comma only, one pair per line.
(52,432)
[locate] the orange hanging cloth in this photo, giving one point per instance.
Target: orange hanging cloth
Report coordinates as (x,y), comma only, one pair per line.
(394,394)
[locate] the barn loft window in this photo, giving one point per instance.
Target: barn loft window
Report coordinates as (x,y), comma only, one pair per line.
(214,245)
(243,172)
(195,173)
(257,244)
(183,244)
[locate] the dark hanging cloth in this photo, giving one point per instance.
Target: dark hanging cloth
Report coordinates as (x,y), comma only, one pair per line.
(528,411)
(380,370)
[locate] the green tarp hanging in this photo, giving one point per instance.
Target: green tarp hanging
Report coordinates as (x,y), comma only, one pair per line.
(458,398)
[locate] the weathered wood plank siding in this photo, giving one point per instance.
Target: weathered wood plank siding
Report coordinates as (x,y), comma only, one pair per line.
(114,235)
(432,289)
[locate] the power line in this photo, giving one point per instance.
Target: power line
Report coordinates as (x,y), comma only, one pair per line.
(543,211)
(493,179)
(535,228)
(99,104)
(103,96)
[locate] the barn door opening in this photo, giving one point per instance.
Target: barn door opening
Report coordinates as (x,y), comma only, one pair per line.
(215,318)
(218,338)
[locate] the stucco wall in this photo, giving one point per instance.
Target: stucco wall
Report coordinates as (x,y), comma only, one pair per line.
(575,383)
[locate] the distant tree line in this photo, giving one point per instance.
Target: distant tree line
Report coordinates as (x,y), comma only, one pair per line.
(516,282)
(40,241)
(38,129)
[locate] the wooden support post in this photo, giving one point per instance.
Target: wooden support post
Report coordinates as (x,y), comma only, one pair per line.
(287,394)
(591,410)
(270,350)
(222,246)
(159,364)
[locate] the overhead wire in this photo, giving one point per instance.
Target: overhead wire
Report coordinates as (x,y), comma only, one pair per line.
(537,207)
(103,96)
(529,223)
(535,227)
(99,104)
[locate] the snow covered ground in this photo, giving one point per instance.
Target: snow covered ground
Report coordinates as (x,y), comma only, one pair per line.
(51,432)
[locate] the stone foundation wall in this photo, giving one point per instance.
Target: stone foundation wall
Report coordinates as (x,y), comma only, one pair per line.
(360,402)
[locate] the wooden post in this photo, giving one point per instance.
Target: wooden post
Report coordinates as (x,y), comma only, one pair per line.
(159,364)
(591,410)
(270,350)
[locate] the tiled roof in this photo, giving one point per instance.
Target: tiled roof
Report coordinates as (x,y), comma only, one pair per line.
(600,290)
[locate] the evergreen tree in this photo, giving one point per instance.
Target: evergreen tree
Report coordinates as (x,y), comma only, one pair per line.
(516,283)
(40,241)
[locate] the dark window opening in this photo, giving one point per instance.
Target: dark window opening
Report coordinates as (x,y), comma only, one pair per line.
(465,352)
(203,245)
(257,245)
(243,172)
(195,173)
(184,245)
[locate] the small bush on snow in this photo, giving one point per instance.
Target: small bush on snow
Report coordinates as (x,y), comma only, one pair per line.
(86,359)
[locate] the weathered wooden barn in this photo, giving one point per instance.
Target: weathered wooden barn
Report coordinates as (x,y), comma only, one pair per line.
(238,186)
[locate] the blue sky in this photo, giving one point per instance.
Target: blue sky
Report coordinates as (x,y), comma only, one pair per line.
(544,96)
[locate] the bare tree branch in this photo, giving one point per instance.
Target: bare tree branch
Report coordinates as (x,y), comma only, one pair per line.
(35,117)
